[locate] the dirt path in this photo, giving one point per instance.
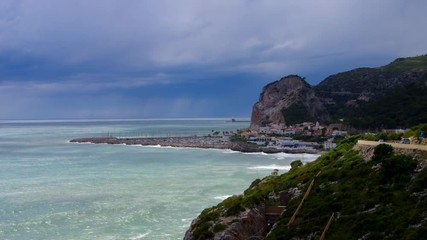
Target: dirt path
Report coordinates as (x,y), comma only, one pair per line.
(394,145)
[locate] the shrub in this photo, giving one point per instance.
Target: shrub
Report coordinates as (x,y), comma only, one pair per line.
(253,185)
(398,165)
(275,173)
(219,227)
(296,164)
(203,232)
(381,152)
(238,138)
(234,209)
(420,182)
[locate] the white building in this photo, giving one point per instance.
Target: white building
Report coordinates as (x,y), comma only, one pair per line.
(328,145)
(337,133)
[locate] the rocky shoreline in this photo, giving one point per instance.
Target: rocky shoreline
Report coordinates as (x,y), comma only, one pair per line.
(206,142)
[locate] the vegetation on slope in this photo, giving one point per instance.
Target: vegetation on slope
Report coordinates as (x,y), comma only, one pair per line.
(379,199)
(297,113)
(384,198)
(413,64)
(403,108)
(415,130)
(386,97)
(391,96)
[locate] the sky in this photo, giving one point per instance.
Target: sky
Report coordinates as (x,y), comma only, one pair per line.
(74,59)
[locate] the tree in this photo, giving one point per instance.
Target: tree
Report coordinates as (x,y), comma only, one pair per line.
(296,164)
(398,165)
(275,173)
(382,152)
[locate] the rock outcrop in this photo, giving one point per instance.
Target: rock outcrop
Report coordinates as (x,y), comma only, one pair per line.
(249,223)
(392,96)
(290,93)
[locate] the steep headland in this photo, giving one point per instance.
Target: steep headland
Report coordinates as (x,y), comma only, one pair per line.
(291,99)
(366,98)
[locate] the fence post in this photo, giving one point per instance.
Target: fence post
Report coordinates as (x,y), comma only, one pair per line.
(327,227)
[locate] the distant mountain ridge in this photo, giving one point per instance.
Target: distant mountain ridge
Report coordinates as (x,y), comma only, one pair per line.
(391,96)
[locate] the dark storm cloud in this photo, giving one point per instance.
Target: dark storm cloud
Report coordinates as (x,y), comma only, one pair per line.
(95,57)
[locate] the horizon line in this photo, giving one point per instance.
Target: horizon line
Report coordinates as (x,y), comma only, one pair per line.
(118,119)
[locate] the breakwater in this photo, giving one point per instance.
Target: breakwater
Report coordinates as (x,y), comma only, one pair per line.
(193,142)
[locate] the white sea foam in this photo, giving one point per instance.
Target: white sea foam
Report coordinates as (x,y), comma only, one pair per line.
(11,194)
(272,167)
(305,157)
(167,147)
(79,142)
(135,145)
(228,151)
(139,236)
(187,148)
(223,197)
(153,146)
(256,153)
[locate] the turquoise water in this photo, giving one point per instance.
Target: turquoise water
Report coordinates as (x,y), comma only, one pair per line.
(53,189)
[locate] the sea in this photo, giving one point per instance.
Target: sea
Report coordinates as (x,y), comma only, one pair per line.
(53,189)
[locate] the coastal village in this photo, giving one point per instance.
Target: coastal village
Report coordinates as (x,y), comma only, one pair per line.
(309,136)
(306,137)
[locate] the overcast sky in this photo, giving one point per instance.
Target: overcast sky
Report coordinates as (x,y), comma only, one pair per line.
(189,58)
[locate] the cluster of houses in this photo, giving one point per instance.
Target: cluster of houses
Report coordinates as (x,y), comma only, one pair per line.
(303,129)
(281,136)
(283,143)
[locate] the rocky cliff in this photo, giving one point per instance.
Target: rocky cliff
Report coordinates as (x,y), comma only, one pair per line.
(290,94)
(251,222)
(369,98)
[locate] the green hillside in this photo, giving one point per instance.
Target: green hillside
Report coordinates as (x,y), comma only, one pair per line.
(380,199)
(400,109)
(385,198)
(372,98)
(411,64)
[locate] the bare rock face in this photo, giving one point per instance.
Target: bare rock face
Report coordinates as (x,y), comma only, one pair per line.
(276,97)
(249,223)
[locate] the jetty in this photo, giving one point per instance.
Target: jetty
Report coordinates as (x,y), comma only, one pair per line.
(206,142)
(191,141)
